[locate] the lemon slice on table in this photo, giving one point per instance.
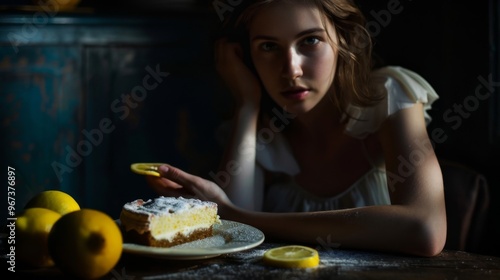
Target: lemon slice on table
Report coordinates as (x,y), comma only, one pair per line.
(292,256)
(146,168)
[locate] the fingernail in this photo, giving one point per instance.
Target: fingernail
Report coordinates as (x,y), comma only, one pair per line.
(163,169)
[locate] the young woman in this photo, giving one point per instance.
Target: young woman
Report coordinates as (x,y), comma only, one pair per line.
(321,145)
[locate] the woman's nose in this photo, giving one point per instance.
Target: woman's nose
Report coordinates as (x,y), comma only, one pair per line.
(292,65)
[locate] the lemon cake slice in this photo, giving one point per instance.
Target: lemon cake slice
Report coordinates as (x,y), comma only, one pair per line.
(168,221)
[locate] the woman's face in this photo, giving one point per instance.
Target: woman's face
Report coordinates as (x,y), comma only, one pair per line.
(293,54)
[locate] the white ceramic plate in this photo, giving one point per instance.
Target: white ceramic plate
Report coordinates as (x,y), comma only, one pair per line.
(228,237)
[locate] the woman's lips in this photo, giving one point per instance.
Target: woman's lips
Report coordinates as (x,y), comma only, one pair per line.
(295,93)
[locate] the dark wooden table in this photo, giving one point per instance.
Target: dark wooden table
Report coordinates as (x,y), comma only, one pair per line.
(335,263)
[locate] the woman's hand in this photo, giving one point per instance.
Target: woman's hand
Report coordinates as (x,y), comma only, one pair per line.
(240,80)
(165,187)
(175,182)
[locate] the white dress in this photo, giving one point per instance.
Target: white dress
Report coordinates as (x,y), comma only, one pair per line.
(404,89)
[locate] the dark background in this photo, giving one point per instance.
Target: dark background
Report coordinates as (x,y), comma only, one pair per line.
(451,44)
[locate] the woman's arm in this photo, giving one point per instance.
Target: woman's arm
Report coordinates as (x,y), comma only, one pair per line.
(415,223)
(238,174)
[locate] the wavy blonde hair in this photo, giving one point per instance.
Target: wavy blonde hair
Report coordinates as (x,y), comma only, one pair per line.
(354,44)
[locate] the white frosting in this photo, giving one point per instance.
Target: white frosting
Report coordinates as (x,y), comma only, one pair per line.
(166,205)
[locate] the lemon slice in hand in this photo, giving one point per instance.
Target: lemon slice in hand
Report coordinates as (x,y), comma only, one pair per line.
(293,256)
(146,168)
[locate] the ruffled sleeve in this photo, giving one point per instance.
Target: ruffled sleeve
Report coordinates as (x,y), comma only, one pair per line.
(404,89)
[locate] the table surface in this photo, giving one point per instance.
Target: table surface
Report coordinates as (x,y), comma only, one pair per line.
(335,263)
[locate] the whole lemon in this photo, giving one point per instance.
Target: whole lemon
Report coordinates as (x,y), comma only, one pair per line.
(33,226)
(55,200)
(86,244)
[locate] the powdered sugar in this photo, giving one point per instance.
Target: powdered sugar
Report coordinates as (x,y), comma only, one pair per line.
(166,205)
(213,241)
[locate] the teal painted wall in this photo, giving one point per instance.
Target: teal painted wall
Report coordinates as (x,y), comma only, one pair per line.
(83,97)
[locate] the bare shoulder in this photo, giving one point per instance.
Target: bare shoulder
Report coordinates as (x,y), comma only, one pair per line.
(405,130)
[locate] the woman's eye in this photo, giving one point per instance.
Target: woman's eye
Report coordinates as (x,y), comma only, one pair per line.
(311,41)
(268,46)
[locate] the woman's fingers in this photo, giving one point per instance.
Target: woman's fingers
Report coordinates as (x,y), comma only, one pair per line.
(227,51)
(166,187)
(176,175)
(190,182)
(224,59)
(235,73)
(203,189)
(162,182)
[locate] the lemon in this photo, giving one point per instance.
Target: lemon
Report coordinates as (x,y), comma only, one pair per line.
(32,230)
(292,256)
(86,244)
(146,168)
(55,200)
